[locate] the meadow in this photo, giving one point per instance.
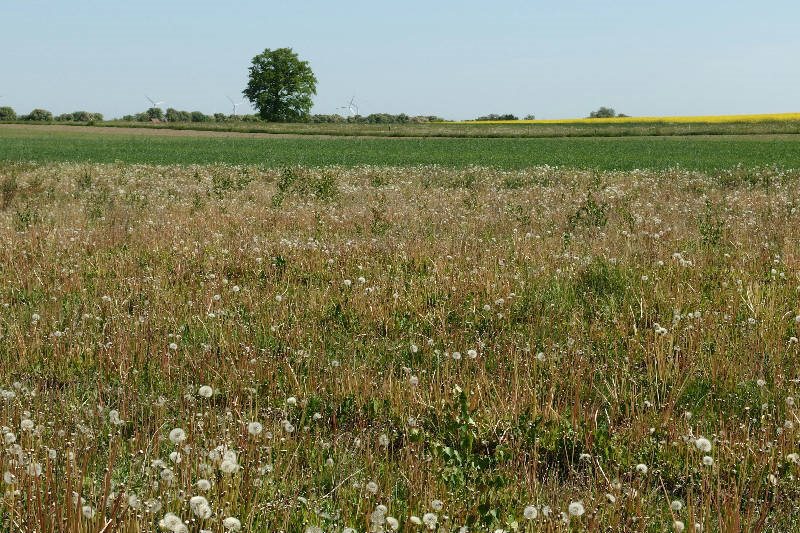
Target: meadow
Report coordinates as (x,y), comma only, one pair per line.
(380,347)
(107,145)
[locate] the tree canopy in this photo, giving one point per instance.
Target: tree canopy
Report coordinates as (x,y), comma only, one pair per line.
(281,85)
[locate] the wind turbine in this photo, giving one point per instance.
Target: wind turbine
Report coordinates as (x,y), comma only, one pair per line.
(352,108)
(234,104)
(153,102)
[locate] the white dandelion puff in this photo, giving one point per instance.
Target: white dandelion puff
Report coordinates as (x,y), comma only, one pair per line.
(576,508)
(177,436)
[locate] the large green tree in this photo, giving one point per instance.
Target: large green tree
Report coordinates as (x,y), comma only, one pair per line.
(281,85)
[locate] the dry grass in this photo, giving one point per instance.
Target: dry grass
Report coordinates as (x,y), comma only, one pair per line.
(614,317)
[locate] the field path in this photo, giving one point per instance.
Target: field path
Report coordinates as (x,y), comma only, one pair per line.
(166,132)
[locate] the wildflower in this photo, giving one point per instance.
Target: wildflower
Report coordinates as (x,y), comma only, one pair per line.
(641,468)
(316,417)
(170,522)
(702,444)
(793,458)
(167,475)
(27,424)
(417,521)
(472,353)
(610,498)
(372,487)
(9,478)
(708,460)
(314,529)
(540,357)
(278,298)
(414,348)
(35,318)
(437,505)
(678,526)
(113,417)
(430,520)
(254,428)
(347,283)
(153,505)
(177,436)
(200,507)
(229,466)
(203,484)
(530,512)
(676,505)
(790,401)
(205,391)
(175,457)
(760,382)
(413,380)
(383,440)
(291,401)
(88,512)
(34,469)
(394,524)
(232,524)
(173,346)
(456,356)
(576,508)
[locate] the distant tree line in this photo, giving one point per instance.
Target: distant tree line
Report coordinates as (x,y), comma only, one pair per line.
(43,115)
(155,114)
(507,116)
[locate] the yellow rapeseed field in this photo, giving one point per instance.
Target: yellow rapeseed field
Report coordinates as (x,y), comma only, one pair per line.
(715,119)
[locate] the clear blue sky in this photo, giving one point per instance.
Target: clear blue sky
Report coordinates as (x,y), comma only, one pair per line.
(453,58)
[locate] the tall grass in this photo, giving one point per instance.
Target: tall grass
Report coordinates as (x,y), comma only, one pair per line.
(419,347)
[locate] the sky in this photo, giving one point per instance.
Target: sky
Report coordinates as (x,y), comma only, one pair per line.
(458,59)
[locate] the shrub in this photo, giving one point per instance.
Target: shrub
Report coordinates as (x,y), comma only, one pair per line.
(198,116)
(40,115)
(603,112)
(507,116)
(7,113)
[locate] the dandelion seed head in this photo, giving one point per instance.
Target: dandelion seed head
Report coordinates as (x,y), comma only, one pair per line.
(530,512)
(232,524)
(702,444)
(177,436)
(576,508)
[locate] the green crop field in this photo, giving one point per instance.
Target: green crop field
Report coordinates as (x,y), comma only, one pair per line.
(42,144)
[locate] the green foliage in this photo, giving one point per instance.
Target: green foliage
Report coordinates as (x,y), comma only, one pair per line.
(7,113)
(711,225)
(25,217)
(280,85)
(39,115)
(603,112)
(468,456)
(589,214)
(80,116)
(173,115)
(507,116)
(302,182)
